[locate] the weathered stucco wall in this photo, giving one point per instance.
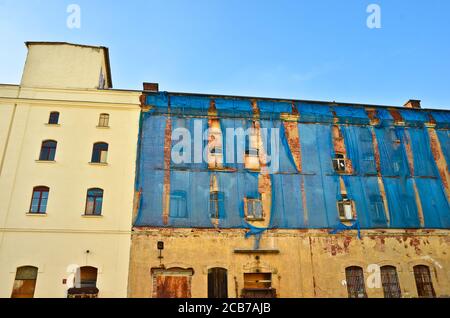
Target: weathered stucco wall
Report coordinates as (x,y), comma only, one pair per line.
(303,263)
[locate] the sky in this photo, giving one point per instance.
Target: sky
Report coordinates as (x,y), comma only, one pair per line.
(313,50)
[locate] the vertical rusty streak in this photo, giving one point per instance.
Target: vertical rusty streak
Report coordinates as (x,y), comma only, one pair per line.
(410,158)
(409,152)
(305,207)
(293,138)
(439,158)
(376,152)
(312,267)
(419,203)
(167,154)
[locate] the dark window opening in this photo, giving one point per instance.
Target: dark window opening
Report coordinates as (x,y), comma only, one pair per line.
(100,153)
(54,118)
(48,150)
(339,163)
(94,202)
(25,282)
(217,283)
(39,200)
(423,282)
(355,282)
(389,280)
(216,207)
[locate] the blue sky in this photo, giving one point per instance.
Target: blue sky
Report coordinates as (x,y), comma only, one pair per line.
(320,50)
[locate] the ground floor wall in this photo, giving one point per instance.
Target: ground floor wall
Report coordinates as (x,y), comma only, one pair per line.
(57,255)
(300,263)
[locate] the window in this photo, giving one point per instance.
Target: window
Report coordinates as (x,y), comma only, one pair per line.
(54,118)
(389,279)
(377,206)
(25,282)
(217,283)
(85,283)
(94,202)
(423,282)
(178,206)
(339,163)
(103,120)
(216,205)
(253,209)
(345,208)
(99,152)
(355,282)
(258,285)
(48,150)
(39,200)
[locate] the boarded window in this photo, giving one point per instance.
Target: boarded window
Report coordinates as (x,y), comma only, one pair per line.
(53,118)
(85,283)
(39,200)
(94,202)
(48,150)
(423,282)
(389,279)
(355,282)
(103,120)
(172,282)
(25,282)
(217,283)
(258,285)
(100,152)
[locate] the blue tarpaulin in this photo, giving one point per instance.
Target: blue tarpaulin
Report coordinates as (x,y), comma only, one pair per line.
(305,198)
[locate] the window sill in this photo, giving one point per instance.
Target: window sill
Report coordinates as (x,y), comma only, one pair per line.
(91,216)
(103,127)
(52,125)
(45,161)
(36,214)
(98,163)
(254,219)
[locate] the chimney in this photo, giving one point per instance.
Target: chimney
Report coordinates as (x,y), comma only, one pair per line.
(151,87)
(413,103)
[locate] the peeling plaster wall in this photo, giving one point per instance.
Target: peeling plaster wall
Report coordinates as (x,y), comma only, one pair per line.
(309,263)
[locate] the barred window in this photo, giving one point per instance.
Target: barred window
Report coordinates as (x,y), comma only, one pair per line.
(389,280)
(355,282)
(423,282)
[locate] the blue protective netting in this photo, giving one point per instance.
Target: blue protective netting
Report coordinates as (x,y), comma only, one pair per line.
(444,139)
(300,199)
(442,119)
(351,115)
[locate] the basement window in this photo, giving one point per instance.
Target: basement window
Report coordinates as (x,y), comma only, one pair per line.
(345,208)
(253,209)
